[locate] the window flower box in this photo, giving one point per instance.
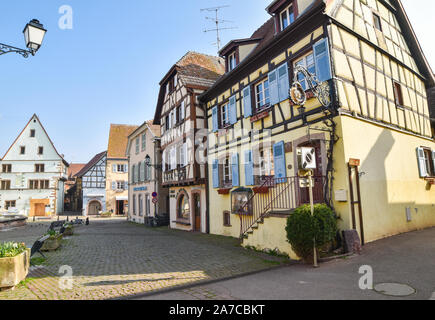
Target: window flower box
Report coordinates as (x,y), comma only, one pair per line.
(430,180)
(13,270)
(264,189)
(224,191)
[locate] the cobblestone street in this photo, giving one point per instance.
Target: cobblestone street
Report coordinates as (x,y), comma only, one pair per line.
(115,259)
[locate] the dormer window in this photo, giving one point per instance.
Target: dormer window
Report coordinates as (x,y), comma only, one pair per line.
(287,17)
(232,63)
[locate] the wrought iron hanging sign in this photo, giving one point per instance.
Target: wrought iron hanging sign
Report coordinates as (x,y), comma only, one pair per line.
(320,89)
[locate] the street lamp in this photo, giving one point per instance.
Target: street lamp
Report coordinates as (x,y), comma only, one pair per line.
(34,33)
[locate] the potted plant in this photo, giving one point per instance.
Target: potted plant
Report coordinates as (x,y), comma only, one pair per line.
(14,264)
(52,243)
(69,229)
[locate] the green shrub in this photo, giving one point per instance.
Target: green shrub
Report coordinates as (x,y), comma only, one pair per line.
(302,228)
(11,249)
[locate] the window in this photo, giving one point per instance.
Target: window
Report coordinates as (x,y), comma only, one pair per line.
(430,162)
(167,123)
(22,150)
(120,185)
(120,168)
(32,133)
(5,185)
(10,204)
(39,184)
(7,168)
(183,211)
(227,219)
(307,62)
(133,174)
(232,63)
(134,204)
(144,143)
(227,173)
(225,115)
(262,99)
(398,95)
(377,21)
(140,200)
(40,151)
(39,168)
(266,168)
(287,17)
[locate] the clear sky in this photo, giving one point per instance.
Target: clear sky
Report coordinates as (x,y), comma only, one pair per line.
(106,69)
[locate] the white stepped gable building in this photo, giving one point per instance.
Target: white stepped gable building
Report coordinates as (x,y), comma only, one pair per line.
(32,174)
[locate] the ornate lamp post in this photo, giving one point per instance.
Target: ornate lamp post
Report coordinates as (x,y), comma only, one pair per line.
(34,33)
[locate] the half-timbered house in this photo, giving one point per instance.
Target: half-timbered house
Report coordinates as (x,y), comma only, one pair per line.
(180,117)
(91,183)
(372,135)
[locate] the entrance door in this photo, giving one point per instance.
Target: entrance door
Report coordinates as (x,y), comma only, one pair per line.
(94,208)
(197,208)
(318,178)
(120,207)
(40,210)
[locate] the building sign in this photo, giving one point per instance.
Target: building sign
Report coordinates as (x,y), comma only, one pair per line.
(141,189)
(354,162)
(260,116)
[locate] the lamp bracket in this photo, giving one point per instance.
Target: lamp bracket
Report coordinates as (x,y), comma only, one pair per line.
(4,48)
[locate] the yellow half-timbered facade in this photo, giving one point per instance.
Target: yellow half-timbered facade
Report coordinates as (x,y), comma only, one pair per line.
(375,152)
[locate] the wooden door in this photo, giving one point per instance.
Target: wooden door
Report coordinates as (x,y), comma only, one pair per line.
(318,178)
(197,208)
(355,201)
(40,210)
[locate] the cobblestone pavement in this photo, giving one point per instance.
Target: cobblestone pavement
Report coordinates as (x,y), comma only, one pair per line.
(116,259)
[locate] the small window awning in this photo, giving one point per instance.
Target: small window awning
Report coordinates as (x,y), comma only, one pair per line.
(121,198)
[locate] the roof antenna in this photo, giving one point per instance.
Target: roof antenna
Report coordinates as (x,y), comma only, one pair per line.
(218,22)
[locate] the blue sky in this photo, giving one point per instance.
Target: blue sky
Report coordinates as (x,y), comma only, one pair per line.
(107,68)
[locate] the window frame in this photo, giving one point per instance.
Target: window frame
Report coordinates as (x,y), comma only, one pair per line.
(266,104)
(290,12)
(429,161)
(8,204)
(227,173)
(32,133)
(225,122)
(232,58)
(5,185)
(398,94)
(38,167)
(377,21)
(9,166)
(144,145)
(40,151)
(268,169)
(22,150)
(227,219)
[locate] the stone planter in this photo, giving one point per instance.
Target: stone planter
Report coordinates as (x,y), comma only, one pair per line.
(68,232)
(52,244)
(14,270)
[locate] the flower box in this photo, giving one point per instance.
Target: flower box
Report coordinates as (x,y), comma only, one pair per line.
(224,191)
(52,244)
(261,189)
(14,270)
(69,231)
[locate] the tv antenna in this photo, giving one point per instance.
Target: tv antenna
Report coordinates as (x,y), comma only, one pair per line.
(218,23)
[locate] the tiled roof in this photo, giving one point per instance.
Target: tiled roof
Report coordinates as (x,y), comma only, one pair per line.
(90,164)
(74,168)
(118,139)
(202,66)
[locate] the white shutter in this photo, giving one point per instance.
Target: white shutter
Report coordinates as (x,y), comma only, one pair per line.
(185,154)
(182,111)
(421,163)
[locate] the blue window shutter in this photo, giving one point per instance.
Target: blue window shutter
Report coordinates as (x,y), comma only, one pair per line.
(283,82)
(279,160)
(126,185)
(114,167)
(249,168)
(421,163)
(247,102)
(233,110)
(215,169)
(114,185)
(323,61)
(235,169)
(215,119)
(126,168)
(273,87)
